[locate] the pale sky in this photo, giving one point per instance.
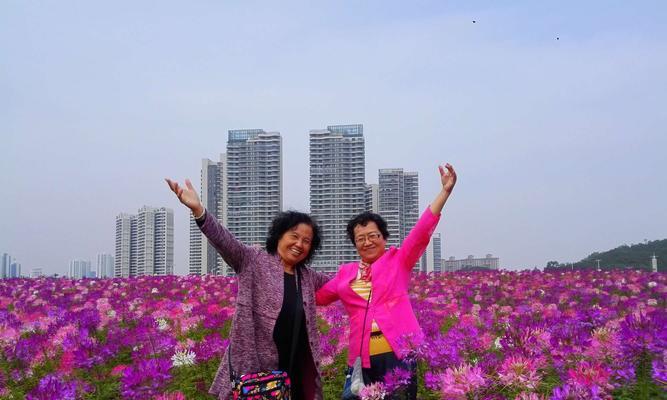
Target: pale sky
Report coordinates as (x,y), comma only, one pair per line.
(552,112)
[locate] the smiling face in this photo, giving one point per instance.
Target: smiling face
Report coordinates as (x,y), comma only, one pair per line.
(294,245)
(369,242)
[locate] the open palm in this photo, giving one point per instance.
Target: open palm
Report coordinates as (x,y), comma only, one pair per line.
(186,195)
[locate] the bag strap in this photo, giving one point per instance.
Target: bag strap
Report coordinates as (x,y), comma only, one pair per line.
(229,360)
(363,329)
(297,320)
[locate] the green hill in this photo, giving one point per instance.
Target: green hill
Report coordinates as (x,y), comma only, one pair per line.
(633,256)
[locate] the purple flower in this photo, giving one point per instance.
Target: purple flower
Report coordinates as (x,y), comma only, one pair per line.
(561,392)
(26,349)
(660,369)
(145,379)
(210,347)
(88,319)
(53,386)
(431,380)
(396,378)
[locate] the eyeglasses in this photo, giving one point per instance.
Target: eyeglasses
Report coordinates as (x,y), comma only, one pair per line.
(373,236)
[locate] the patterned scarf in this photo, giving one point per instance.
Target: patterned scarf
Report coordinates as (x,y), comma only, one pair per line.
(365,271)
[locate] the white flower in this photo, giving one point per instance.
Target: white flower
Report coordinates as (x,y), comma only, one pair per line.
(497,344)
(111,313)
(162,324)
(652,284)
(183,357)
(652,302)
(154,290)
(28,329)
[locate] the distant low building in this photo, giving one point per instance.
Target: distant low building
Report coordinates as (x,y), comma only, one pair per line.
(5,263)
(14,270)
(36,272)
(431,260)
(79,269)
(105,266)
(471,263)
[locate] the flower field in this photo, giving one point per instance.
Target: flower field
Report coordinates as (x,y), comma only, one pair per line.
(489,335)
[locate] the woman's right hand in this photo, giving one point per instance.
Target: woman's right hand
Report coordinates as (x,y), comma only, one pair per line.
(187,195)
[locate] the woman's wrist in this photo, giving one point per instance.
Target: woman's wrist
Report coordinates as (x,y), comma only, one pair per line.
(198,211)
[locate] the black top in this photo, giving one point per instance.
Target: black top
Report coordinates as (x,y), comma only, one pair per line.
(283,335)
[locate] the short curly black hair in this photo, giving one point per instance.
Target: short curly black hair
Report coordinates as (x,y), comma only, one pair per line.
(287,220)
(363,219)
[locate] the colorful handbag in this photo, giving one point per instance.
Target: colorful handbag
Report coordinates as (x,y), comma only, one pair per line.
(268,385)
(262,385)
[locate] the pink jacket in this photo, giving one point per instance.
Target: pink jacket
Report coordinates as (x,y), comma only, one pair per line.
(390,304)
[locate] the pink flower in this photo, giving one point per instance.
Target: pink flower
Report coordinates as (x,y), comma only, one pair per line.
(486,340)
(605,342)
(326,360)
(590,375)
(170,396)
(62,333)
(455,383)
(468,320)
(529,396)
(214,309)
(66,362)
(118,370)
(8,335)
(374,391)
(520,372)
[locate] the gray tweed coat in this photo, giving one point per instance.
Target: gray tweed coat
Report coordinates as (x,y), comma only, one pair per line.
(258,303)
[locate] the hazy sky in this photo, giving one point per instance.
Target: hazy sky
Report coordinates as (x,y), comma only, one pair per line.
(553,113)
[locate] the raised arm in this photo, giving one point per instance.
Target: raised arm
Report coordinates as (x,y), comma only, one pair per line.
(417,240)
(232,250)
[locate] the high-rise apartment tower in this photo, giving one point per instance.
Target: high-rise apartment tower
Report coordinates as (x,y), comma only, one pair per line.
(337,189)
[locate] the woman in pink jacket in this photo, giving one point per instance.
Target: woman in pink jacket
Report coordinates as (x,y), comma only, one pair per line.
(379,282)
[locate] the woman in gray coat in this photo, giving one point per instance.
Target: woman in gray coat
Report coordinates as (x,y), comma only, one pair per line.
(262,329)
